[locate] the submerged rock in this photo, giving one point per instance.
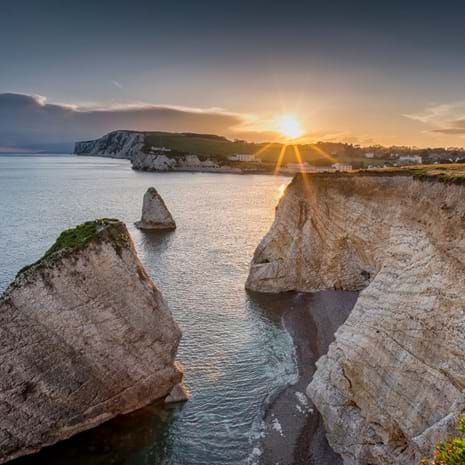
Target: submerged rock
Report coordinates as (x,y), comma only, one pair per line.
(393,382)
(84,336)
(155,214)
(179,393)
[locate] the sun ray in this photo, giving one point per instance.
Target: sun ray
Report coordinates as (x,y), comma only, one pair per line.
(301,163)
(280,159)
(324,154)
(266,146)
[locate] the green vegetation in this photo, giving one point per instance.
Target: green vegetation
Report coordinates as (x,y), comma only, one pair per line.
(76,238)
(446,173)
(217,147)
(451,452)
(199,144)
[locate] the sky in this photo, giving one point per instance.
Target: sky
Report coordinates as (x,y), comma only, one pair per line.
(362,72)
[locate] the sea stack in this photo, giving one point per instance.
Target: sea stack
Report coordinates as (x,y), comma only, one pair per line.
(155,214)
(84,336)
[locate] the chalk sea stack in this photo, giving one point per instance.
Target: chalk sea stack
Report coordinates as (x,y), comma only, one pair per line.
(155,214)
(84,336)
(392,384)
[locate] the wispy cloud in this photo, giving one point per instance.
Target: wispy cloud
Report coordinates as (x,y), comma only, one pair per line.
(117,84)
(445,118)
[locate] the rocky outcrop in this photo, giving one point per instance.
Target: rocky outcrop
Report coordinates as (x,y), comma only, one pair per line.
(116,144)
(392,383)
(84,336)
(133,146)
(155,214)
(163,162)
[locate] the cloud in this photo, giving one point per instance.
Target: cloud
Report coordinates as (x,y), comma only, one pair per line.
(446,118)
(117,84)
(30,122)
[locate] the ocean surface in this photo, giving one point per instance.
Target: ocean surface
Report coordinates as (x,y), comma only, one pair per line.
(235,352)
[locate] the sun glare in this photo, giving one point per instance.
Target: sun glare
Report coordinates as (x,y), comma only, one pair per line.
(289,126)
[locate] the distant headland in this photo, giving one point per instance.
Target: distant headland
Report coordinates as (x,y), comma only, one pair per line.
(165,151)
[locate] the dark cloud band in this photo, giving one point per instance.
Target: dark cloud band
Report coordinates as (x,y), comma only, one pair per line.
(29,122)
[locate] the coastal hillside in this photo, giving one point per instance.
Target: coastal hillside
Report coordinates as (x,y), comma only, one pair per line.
(392,383)
(85,336)
(169,151)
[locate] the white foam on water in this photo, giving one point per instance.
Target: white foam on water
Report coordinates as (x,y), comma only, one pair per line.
(277,426)
(281,374)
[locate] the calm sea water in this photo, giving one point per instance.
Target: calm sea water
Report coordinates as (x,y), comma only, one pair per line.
(235,352)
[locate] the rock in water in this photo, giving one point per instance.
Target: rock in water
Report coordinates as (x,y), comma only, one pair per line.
(155,214)
(393,382)
(84,336)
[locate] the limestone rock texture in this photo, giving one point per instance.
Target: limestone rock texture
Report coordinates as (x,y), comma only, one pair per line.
(392,383)
(161,162)
(131,145)
(116,144)
(84,336)
(155,214)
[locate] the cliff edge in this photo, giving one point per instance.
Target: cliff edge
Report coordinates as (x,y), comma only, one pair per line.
(116,144)
(392,383)
(84,336)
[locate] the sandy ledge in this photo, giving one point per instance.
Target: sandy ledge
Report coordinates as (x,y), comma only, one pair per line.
(294,431)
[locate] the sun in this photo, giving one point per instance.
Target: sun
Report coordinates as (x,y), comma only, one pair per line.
(289,126)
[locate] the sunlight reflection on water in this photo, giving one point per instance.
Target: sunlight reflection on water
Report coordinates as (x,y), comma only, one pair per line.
(234,350)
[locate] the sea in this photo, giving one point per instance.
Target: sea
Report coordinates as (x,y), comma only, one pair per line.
(235,351)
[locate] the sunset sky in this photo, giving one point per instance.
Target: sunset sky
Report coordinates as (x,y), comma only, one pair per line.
(360,72)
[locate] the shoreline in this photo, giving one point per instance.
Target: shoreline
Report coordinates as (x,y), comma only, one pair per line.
(294,430)
(196,169)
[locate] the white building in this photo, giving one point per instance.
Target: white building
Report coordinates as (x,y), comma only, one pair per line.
(414,159)
(242,157)
(370,155)
(306,168)
(342,167)
(326,169)
(160,149)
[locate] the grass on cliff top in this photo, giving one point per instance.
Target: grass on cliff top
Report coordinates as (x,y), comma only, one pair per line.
(453,173)
(77,237)
(73,239)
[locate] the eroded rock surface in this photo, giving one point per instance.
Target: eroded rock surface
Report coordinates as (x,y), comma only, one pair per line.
(116,144)
(155,214)
(392,384)
(84,336)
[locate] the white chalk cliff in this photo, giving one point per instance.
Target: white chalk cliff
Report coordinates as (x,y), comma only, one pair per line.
(131,145)
(155,213)
(392,383)
(116,144)
(162,162)
(84,336)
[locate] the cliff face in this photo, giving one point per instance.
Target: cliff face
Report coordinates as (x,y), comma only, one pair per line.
(160,162)
(84,336)
(392,383)
(116,144)
(131,145)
